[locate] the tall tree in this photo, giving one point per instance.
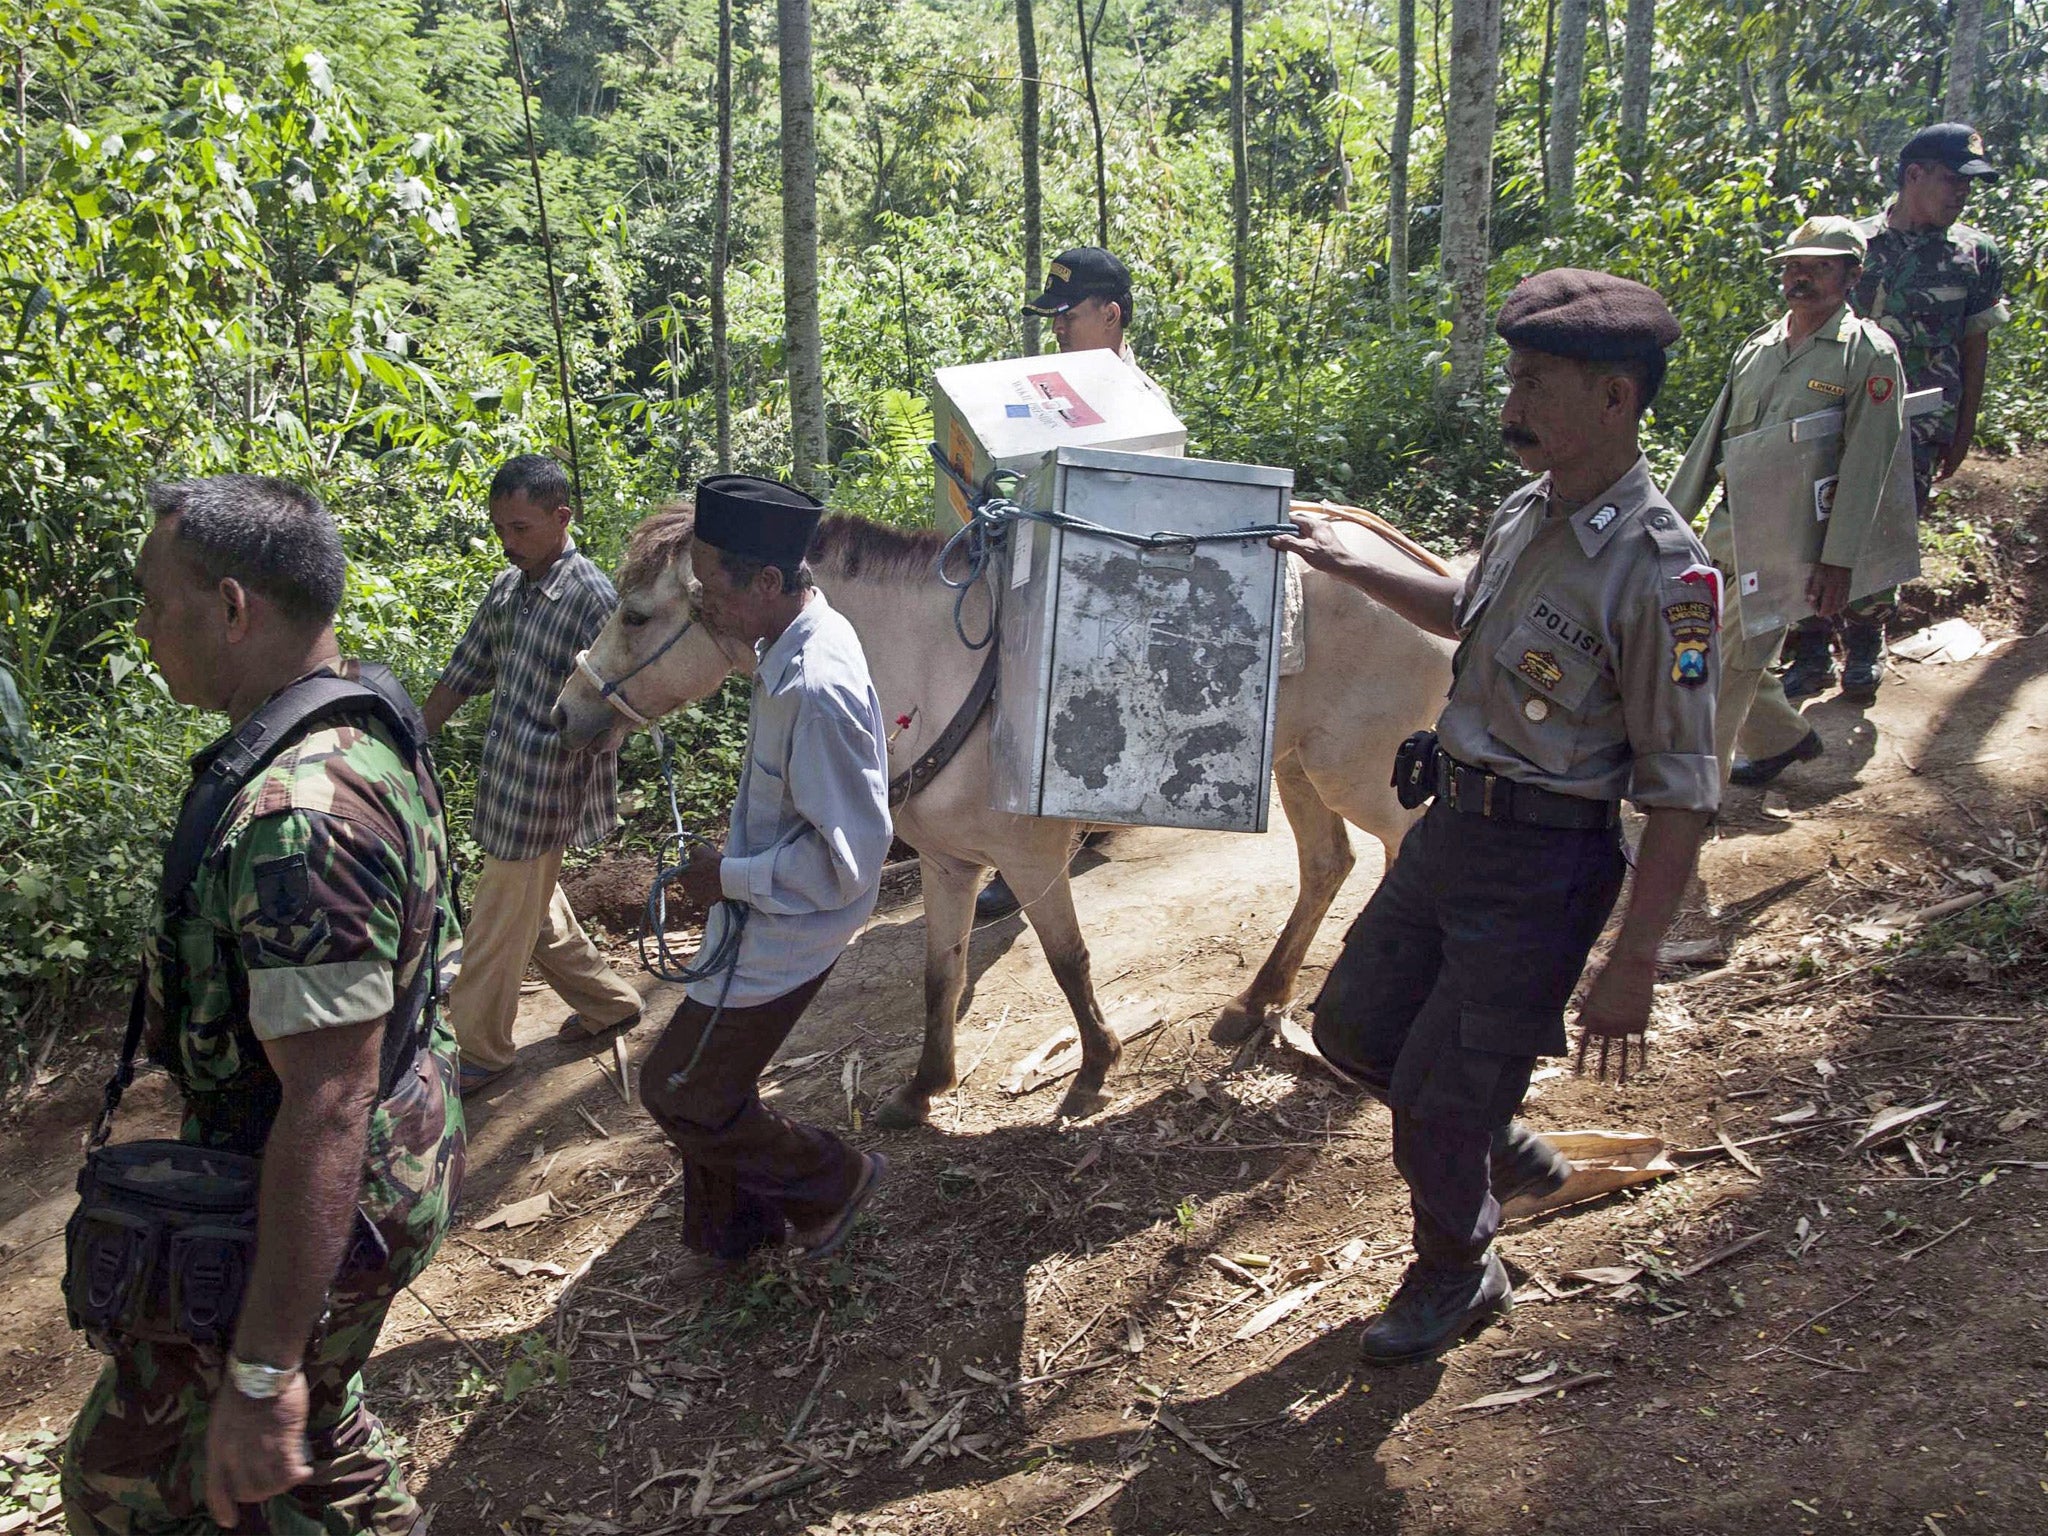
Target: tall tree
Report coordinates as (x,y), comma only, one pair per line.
(721,244)
(1636,56)
(1397,162)
(1469,120)
(1240,172)
(1965,40)
(803,342)
(1034,200)
(1565,109)
(1094,115)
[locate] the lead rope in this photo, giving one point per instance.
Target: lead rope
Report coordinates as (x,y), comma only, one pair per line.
(673,859)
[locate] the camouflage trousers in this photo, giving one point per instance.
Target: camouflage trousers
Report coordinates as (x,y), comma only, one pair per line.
(136,1462)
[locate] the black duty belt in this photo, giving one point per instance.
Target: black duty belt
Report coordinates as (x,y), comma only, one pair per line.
(1479,793)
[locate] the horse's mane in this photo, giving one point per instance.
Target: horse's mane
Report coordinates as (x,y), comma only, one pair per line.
(854,547)
(850,547)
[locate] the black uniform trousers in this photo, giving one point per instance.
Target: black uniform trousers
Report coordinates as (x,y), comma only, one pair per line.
(1452,981)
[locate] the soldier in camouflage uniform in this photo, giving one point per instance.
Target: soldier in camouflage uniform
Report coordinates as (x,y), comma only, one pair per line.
(269,988)
(1935,287)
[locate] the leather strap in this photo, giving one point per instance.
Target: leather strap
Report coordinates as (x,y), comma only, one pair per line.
(941,752)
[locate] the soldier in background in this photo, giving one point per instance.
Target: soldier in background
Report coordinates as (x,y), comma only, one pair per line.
(1934,285)
(270,989)
(1815,356)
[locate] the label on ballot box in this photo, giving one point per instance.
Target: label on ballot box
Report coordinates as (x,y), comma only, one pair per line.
(1010,414)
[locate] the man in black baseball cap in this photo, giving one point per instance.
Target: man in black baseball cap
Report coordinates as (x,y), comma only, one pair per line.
(1955,145)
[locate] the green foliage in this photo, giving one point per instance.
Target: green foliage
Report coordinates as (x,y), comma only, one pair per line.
(29,1491)
(301,239)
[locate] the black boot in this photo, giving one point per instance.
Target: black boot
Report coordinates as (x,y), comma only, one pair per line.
(1813,663)
(1755,771)
(1862,660)
(1524,1163)
(1435,1308)
(996,901)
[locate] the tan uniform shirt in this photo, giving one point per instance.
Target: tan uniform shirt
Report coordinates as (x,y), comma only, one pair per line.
(1588,662)
(1848,364)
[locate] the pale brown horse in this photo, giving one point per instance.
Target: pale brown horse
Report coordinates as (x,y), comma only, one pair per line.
(1371,678)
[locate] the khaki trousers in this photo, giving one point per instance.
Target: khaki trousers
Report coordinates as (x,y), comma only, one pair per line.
(517,912)
(1751,712)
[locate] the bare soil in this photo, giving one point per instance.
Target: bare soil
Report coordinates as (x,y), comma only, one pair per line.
(1032,1331)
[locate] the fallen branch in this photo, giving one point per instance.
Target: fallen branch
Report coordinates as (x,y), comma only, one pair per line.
(1516,1395)
(1758,1354)
(1939,1238)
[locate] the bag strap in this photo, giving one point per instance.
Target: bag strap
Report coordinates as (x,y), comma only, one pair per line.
(221,774)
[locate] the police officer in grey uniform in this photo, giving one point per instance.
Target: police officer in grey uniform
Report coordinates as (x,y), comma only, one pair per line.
(1586,671)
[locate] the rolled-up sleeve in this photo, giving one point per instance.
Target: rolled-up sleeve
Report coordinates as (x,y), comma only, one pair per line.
(319,917)
(473,669)
(1668,711)
(838,786)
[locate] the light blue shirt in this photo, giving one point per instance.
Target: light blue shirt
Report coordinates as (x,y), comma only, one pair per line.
(810,826)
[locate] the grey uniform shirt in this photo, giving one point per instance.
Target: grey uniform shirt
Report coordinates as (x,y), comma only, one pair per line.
(1588,659)
(810,826)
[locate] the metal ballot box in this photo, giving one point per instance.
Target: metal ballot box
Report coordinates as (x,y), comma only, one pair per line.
(1137,686)
(1010,413)
(1780,491)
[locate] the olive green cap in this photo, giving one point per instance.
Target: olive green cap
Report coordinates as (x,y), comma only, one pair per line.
(1827,235)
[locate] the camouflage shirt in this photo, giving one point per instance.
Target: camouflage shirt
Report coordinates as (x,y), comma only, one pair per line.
(312,908)
(1929,289)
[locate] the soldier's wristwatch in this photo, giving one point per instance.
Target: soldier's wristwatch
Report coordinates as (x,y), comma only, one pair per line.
(259,1383)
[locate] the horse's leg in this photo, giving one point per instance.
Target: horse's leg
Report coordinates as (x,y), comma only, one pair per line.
(1052,917)
(1324,850)
(949,888)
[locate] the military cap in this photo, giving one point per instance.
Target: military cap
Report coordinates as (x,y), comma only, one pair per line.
(1592,316)
(1824,235)
(757,519)
(1087,271)
(1955,145)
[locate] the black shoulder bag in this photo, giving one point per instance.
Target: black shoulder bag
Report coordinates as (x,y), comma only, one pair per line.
(164,1234)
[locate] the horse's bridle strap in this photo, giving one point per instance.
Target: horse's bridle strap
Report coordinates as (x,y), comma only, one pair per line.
(613,692)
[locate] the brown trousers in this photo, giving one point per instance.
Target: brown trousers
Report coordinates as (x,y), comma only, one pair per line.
(747,1171)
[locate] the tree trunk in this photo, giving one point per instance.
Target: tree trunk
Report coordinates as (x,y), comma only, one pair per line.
(1636,56)
(1240,172)
(1094,115)
(1543,69)
(721,245)
(1034,199)
(1965,41)
(1745,87)
(1565,110)
(1468,182)
(1341,200)
(1397,163)
(21,120)
(804,345)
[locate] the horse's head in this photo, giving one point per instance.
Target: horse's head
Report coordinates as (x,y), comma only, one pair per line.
(653,654)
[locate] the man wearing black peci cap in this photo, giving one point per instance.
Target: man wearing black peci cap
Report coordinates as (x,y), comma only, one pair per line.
(800,871)
(1585,674)
(1934,285)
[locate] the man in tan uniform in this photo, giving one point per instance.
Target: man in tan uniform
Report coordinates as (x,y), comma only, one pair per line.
(1817,356)
(1585,674)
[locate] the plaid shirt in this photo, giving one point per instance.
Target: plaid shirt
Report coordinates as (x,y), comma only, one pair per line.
(532,797)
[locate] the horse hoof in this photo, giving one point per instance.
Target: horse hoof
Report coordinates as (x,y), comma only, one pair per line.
(1081,1102)
(903,1111)
(1237,1023)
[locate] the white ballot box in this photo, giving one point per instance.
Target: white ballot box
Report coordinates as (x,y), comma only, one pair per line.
(1781,492)
(1137,685)
(1010,414)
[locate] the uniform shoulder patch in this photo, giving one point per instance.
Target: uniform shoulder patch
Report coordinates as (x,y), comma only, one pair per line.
(1879,388)
(284,888)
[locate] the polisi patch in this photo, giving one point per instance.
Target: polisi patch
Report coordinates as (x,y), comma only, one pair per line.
(1564,629)
(1541,668)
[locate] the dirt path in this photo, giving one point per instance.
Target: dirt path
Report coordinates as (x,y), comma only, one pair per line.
(1797,1335)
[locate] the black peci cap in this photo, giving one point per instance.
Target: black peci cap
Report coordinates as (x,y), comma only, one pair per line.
(1955,145)
(1592,316)
(757,519)
(1087,271)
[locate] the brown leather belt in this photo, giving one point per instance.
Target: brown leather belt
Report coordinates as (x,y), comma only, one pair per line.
(1476,792)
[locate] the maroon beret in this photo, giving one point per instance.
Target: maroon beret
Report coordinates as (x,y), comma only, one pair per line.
(1596,316)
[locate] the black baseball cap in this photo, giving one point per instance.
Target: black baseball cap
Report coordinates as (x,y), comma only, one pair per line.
(1087,271)
(1955,145)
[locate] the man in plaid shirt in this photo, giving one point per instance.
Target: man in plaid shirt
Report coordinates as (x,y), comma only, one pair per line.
(533,800)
